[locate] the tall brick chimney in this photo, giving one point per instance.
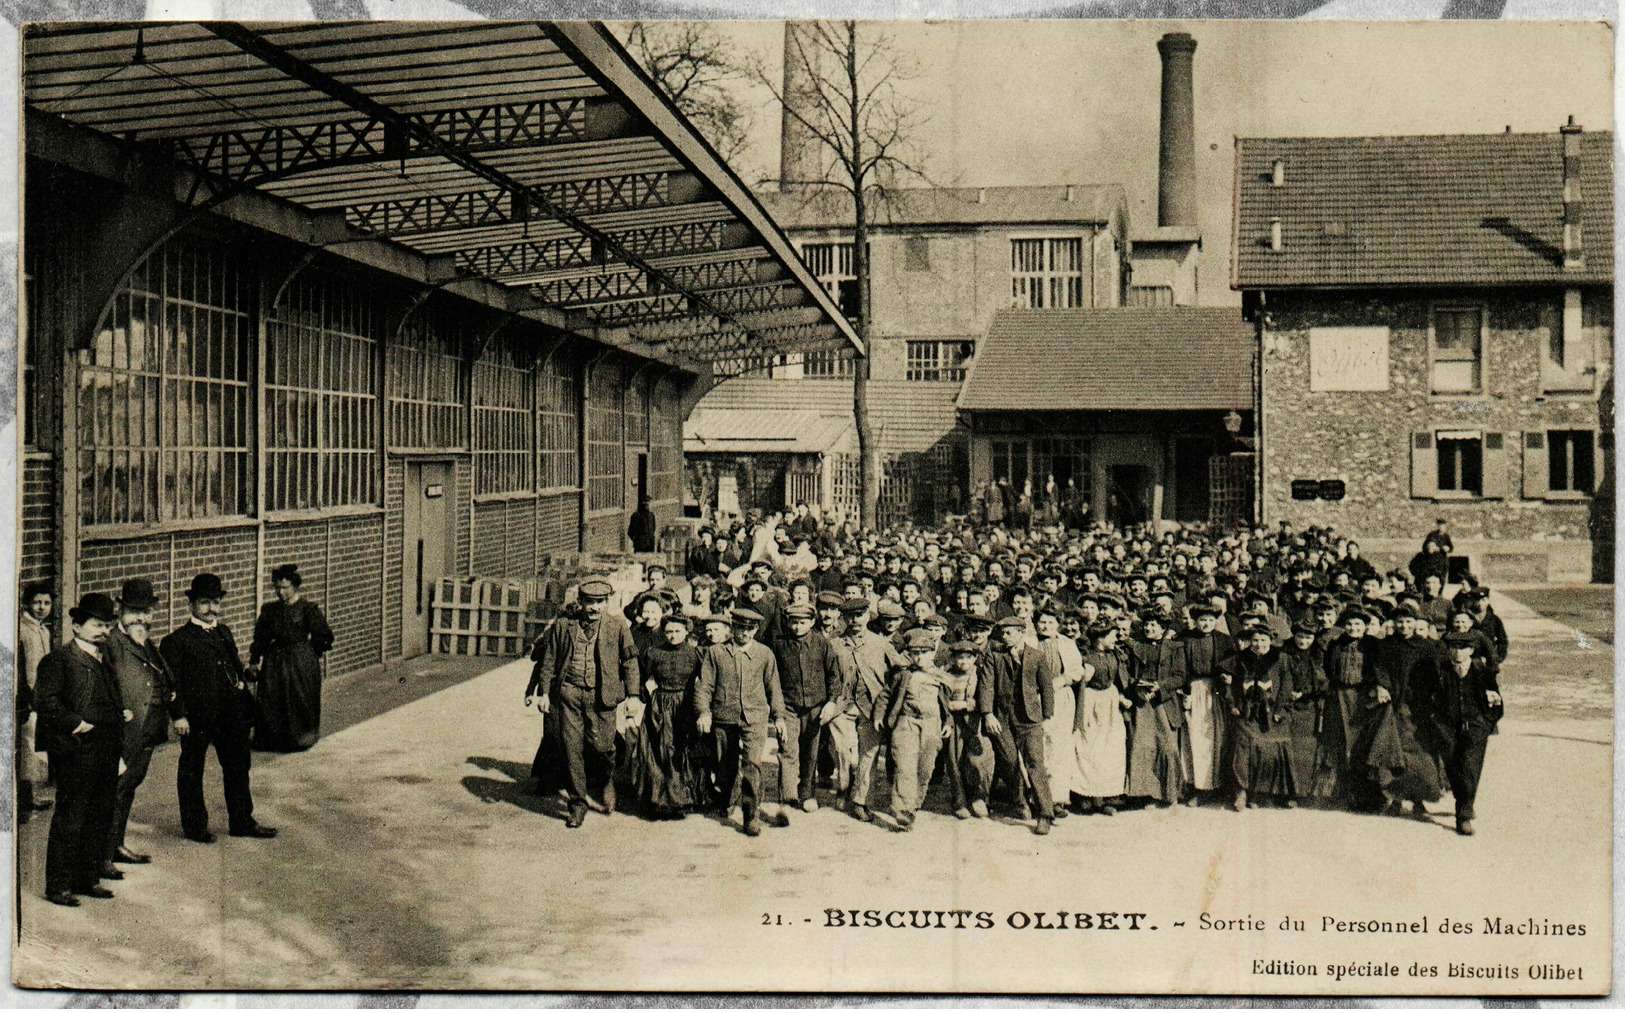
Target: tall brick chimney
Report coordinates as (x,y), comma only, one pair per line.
(1176,173)
(798,148)
(1574,254)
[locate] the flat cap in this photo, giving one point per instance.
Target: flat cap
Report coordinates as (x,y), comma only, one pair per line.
(595,589)
(1010,623)
(746,616)
(854,606)
(919,640)
(801,612)
(965,647)
(889,609)
(829,599)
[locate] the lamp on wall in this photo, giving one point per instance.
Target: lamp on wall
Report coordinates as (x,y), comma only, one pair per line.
(1232,422)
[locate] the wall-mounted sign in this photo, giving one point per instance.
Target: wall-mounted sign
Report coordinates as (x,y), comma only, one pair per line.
(434,490)
(1318,488)
(1348,358)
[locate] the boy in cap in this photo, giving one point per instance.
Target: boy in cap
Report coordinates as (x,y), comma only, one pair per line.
(809,679)
(737,698)
(587,666)
(1015,699)
(212,687)
(970,758)
(911,709)
(81,719)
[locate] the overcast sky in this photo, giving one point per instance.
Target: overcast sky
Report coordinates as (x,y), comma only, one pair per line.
(1049,102)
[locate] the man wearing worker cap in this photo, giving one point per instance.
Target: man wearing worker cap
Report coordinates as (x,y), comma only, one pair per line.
(587,667)
(1468,707)
(911,710)
(737,698)
(867,660)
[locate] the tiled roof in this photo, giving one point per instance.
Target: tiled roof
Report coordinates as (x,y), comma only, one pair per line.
(1166,358)
(764,430)
(1475,209)
(824,207)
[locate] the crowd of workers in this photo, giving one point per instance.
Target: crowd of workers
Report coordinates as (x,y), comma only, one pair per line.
(1036,673)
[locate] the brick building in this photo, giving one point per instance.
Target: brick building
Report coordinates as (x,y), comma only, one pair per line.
(1435,319)
(390,301)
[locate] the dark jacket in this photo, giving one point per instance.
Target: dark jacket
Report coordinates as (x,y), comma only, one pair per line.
(71,687)
(809,674)
(1497,632)
(1461,706)
(148,689)
(1161,664)
(739,685)
(209,676)
(1299,672)
(1209,655)
(1022,690)
(617,659)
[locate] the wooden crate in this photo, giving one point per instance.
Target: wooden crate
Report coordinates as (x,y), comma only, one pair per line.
(502,617)
(455,625)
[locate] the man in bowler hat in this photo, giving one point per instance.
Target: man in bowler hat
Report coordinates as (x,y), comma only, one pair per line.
(81,717)
(149,694)
(212,687)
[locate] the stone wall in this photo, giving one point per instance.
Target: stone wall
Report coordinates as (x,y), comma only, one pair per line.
(1367,438)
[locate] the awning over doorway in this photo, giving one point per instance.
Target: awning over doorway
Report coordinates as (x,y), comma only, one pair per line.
(1139,359)
(766,431)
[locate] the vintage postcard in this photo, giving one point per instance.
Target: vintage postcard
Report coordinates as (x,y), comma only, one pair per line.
(819,506)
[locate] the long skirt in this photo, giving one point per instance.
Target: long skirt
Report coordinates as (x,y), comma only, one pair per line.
(1339,770)
(1155,770)
(1100,743)
(1400,764)
(968,760)
(289,700)
(1059,755)
(663,754)
(1263,757)
(1204,735)
(1300,723)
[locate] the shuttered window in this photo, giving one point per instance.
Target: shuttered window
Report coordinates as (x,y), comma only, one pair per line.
(1571,461)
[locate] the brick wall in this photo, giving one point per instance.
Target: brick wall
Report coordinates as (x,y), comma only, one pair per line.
(338,558)
(36,555)
(170,561)
(394,522)
(604,533)
(557,520)
(505,538)
(1365,437)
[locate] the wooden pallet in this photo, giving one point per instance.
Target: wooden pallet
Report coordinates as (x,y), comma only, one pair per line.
(502,617)
(455,621)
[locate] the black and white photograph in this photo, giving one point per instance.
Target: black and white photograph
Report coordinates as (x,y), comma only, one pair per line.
(946,507)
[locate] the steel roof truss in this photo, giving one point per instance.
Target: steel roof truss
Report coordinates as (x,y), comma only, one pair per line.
(437,212)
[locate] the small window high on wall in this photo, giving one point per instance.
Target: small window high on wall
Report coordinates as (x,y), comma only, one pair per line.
(1457,350)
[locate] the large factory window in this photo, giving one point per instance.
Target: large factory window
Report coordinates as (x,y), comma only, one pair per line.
(321,401)
(504,421)
(558,400)
(606,458)
(425,385)
(165,394)
(938,361)
(1046,273)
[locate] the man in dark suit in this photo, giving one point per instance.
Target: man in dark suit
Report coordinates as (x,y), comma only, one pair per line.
(211,684)
(80,719)
(149,694)
(1015,702)
(586,665)
(1466,711)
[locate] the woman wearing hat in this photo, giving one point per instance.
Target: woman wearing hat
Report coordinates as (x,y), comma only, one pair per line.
(290,638)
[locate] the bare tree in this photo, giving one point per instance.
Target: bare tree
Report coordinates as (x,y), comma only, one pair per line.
(851,124)
(699,71)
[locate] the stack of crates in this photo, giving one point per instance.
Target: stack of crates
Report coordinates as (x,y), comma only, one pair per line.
(502,617)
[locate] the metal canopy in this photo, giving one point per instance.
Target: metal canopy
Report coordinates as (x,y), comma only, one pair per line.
(535,156)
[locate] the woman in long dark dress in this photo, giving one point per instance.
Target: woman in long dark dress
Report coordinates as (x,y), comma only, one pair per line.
(662,754)
(289,640)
